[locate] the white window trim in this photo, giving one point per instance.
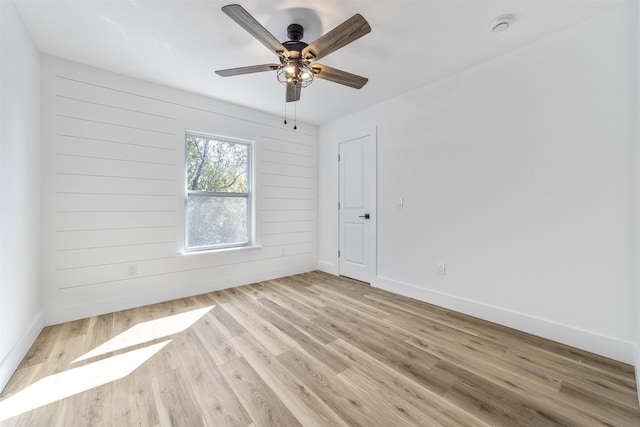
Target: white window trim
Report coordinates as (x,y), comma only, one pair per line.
(250,243)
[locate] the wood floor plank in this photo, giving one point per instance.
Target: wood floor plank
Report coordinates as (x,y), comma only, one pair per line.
(316,349)
(347,402)
(174,399)
(406,387)
(211,334)
(612,412)
(231,325)
(332,296)
(296,292)
(288,328)
(497,370)
(411,306)
(592,380)
(89,407)
(389,409)
(175,402)
(403,357)
(275,340)
(303,403)
(217,403)
(285,301)
(101,329)
(491,403)
(262,404)
(136,407)
(447,336)
(305,325)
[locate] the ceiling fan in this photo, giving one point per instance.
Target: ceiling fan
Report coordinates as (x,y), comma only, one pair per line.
(298,66)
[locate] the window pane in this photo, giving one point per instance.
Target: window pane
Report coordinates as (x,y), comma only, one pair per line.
(217,166)
(216,221)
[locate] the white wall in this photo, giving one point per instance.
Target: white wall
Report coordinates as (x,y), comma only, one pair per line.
(20,191)
(519,175)
(637,209)
(114,193)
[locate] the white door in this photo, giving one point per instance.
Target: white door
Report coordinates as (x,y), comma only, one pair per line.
(357,205)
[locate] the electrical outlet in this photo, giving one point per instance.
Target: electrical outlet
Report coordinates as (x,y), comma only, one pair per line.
(441,269)
(132,270)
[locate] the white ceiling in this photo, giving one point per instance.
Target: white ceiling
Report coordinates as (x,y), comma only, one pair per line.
(180,43)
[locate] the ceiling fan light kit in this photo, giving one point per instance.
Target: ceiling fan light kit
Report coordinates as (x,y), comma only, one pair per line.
(298,67)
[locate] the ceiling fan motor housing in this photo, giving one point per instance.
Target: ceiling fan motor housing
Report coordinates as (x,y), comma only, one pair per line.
(295,32)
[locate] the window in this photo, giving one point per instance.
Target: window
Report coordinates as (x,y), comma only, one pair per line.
(218,205)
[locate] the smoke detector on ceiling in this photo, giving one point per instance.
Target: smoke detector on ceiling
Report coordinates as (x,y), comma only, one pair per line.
(501,23)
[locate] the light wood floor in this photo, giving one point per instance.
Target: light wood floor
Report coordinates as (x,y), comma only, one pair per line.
(310,350)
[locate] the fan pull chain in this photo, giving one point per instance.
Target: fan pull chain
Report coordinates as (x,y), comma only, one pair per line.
(295,116)
(285,112)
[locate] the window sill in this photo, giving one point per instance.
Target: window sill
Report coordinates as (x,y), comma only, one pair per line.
(221,250)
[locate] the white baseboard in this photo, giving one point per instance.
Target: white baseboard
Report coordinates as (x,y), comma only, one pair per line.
(616,349)
(10,363)
(328,267)
(94,308)
(636,349)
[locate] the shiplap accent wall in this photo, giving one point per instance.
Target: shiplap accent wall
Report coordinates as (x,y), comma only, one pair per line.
(114,193)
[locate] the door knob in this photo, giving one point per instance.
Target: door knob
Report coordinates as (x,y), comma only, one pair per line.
(365,216)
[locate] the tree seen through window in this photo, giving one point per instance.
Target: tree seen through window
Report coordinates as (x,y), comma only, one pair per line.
(218,188)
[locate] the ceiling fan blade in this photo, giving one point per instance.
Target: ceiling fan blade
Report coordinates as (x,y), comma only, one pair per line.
(338,76)
(293,92)
(350,30)
(249,23)
(246,70)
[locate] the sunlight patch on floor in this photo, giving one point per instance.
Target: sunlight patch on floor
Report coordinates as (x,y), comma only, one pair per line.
(77,380)
(68,383)
(148,331)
